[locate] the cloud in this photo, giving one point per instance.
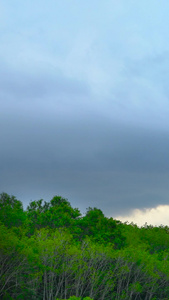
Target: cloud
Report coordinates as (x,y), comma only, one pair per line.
(156,216)
(88,159)
(84,102)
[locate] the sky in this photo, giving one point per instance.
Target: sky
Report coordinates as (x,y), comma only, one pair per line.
(84,105)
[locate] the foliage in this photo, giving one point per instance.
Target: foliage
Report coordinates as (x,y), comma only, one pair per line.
(11,211)
(57,213)
(77,298)
(101,229)
(51,252)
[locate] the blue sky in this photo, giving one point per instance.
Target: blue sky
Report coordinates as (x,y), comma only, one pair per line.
(85,102)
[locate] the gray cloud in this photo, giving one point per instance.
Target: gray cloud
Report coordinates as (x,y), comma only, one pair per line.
(84,104)
(57,139)
(85,157)
(28,86)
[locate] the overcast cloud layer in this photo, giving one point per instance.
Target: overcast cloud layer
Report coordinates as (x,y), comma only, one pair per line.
(84,103)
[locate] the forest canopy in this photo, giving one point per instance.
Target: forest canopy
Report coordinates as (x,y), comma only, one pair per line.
(50,251)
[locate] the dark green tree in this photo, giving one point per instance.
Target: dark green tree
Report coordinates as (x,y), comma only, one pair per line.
(101,229)
(11,211)
(57,213)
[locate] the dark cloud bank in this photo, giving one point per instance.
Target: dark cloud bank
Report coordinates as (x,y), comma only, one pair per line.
(54,140)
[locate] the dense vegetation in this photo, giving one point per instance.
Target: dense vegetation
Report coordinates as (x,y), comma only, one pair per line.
(50,251)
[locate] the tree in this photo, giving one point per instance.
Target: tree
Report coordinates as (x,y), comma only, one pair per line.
(57,213)
(101,229)
(11,211)
(16,270)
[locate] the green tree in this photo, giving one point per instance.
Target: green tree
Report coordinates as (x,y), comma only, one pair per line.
(101,229)
(11,211)
(16,266)
(57,213)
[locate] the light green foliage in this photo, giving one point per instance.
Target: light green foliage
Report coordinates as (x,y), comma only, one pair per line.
(16,269)
(52,252)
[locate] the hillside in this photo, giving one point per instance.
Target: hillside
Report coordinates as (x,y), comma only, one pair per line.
(50,251)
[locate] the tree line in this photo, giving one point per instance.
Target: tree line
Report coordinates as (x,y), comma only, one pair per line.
(51,252)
